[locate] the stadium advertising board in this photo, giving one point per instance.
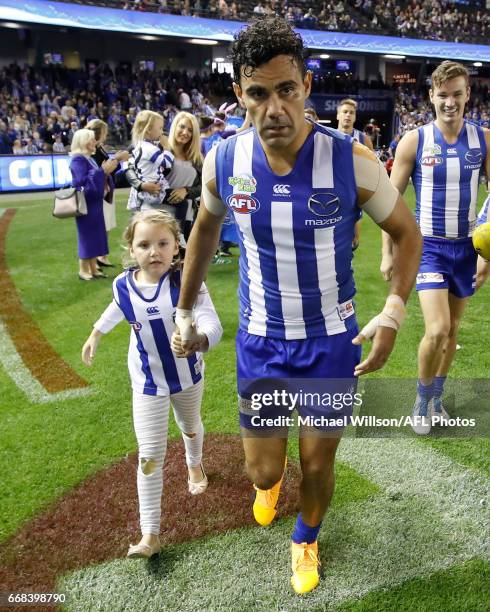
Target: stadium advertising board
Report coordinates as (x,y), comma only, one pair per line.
(33,172)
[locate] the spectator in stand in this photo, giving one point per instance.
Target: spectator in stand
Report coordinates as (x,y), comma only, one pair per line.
(5,143)
(17,148)
(58,146)
(185,103)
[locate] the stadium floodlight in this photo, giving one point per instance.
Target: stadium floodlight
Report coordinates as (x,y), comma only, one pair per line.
(202,41)
(12,25)
(219,59)
(324,56)
(477,64)
(148,37)
(393,56)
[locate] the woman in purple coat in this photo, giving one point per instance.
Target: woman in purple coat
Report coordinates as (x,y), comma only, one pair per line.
(86,174)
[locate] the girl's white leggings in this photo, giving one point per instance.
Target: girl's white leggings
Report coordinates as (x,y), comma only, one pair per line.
(150,417)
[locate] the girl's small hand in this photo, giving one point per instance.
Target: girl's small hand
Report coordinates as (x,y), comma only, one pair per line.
(90,348)
(152,188)
(177,195)
(201,344)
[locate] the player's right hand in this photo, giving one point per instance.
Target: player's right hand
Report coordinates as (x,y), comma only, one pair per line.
(386,267)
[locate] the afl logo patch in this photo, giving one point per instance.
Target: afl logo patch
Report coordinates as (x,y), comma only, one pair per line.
(243,203)
(473,156)
(136,326)
(324,204)
(431,161)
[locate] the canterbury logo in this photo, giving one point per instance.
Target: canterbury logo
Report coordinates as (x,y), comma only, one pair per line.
(153,310)
(281,189)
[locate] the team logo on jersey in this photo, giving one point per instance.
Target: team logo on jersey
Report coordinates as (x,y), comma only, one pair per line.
(473,156)
(247,184)
(281,190)
(432,150)
(324,204)
(152,310)
(431,161)
(452,152)
(243,204)
(136,326)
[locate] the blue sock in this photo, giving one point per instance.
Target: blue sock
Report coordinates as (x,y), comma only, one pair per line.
(439,385)
(304,533)
(425,391)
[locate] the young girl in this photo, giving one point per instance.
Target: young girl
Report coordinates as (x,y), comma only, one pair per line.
(147,297)
(150,162)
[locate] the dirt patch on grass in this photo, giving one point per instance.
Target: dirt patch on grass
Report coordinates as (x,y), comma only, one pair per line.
(97,520)
(35,351)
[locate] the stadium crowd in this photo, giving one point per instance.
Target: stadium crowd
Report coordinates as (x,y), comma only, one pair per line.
(40,109)
(427,19)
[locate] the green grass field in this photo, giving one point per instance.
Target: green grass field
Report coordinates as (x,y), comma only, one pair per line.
(409,520)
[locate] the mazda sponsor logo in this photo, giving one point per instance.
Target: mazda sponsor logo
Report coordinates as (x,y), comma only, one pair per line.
(324,204)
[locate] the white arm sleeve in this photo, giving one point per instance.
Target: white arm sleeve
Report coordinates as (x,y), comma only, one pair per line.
(371,175)
(207,321)
(212,203)
(108,320)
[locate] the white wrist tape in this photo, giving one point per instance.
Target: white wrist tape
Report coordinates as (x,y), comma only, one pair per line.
(394,312)
(392,316)
(183,320)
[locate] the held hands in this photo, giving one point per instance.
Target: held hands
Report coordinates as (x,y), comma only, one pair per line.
(177,195)
(382,330)
(90,347)
(185,337)
(201,345)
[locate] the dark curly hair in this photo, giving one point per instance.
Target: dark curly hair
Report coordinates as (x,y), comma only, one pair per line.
(264,40)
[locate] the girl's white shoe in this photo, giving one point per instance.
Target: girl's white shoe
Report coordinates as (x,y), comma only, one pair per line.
(143,551)
(196,488)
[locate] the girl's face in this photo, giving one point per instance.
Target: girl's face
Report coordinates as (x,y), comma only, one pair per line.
(156,129)
(154,248)
(183,133)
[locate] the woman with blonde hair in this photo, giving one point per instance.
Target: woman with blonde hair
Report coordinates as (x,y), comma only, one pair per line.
(101,129)
(185,176)
(87,176)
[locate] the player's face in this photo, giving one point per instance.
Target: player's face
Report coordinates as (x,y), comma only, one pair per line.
(154,248)
(156,129)
(183,131)
(346,116)
(449,100)
(274,95)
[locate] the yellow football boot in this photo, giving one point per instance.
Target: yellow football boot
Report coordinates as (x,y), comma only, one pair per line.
(305,564)
(265,504)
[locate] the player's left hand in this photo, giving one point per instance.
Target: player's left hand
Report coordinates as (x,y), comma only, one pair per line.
(383,342)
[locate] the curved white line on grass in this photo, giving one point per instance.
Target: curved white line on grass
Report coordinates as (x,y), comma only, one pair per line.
(428,518)
(22,377)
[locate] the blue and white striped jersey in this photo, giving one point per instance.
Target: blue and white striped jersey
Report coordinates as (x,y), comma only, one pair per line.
(295,234)
(483,214)
(153,368)
(445,178)
(358,136)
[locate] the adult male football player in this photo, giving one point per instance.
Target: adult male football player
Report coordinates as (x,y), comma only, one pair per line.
(294,188)
(346,117)
(444,159)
